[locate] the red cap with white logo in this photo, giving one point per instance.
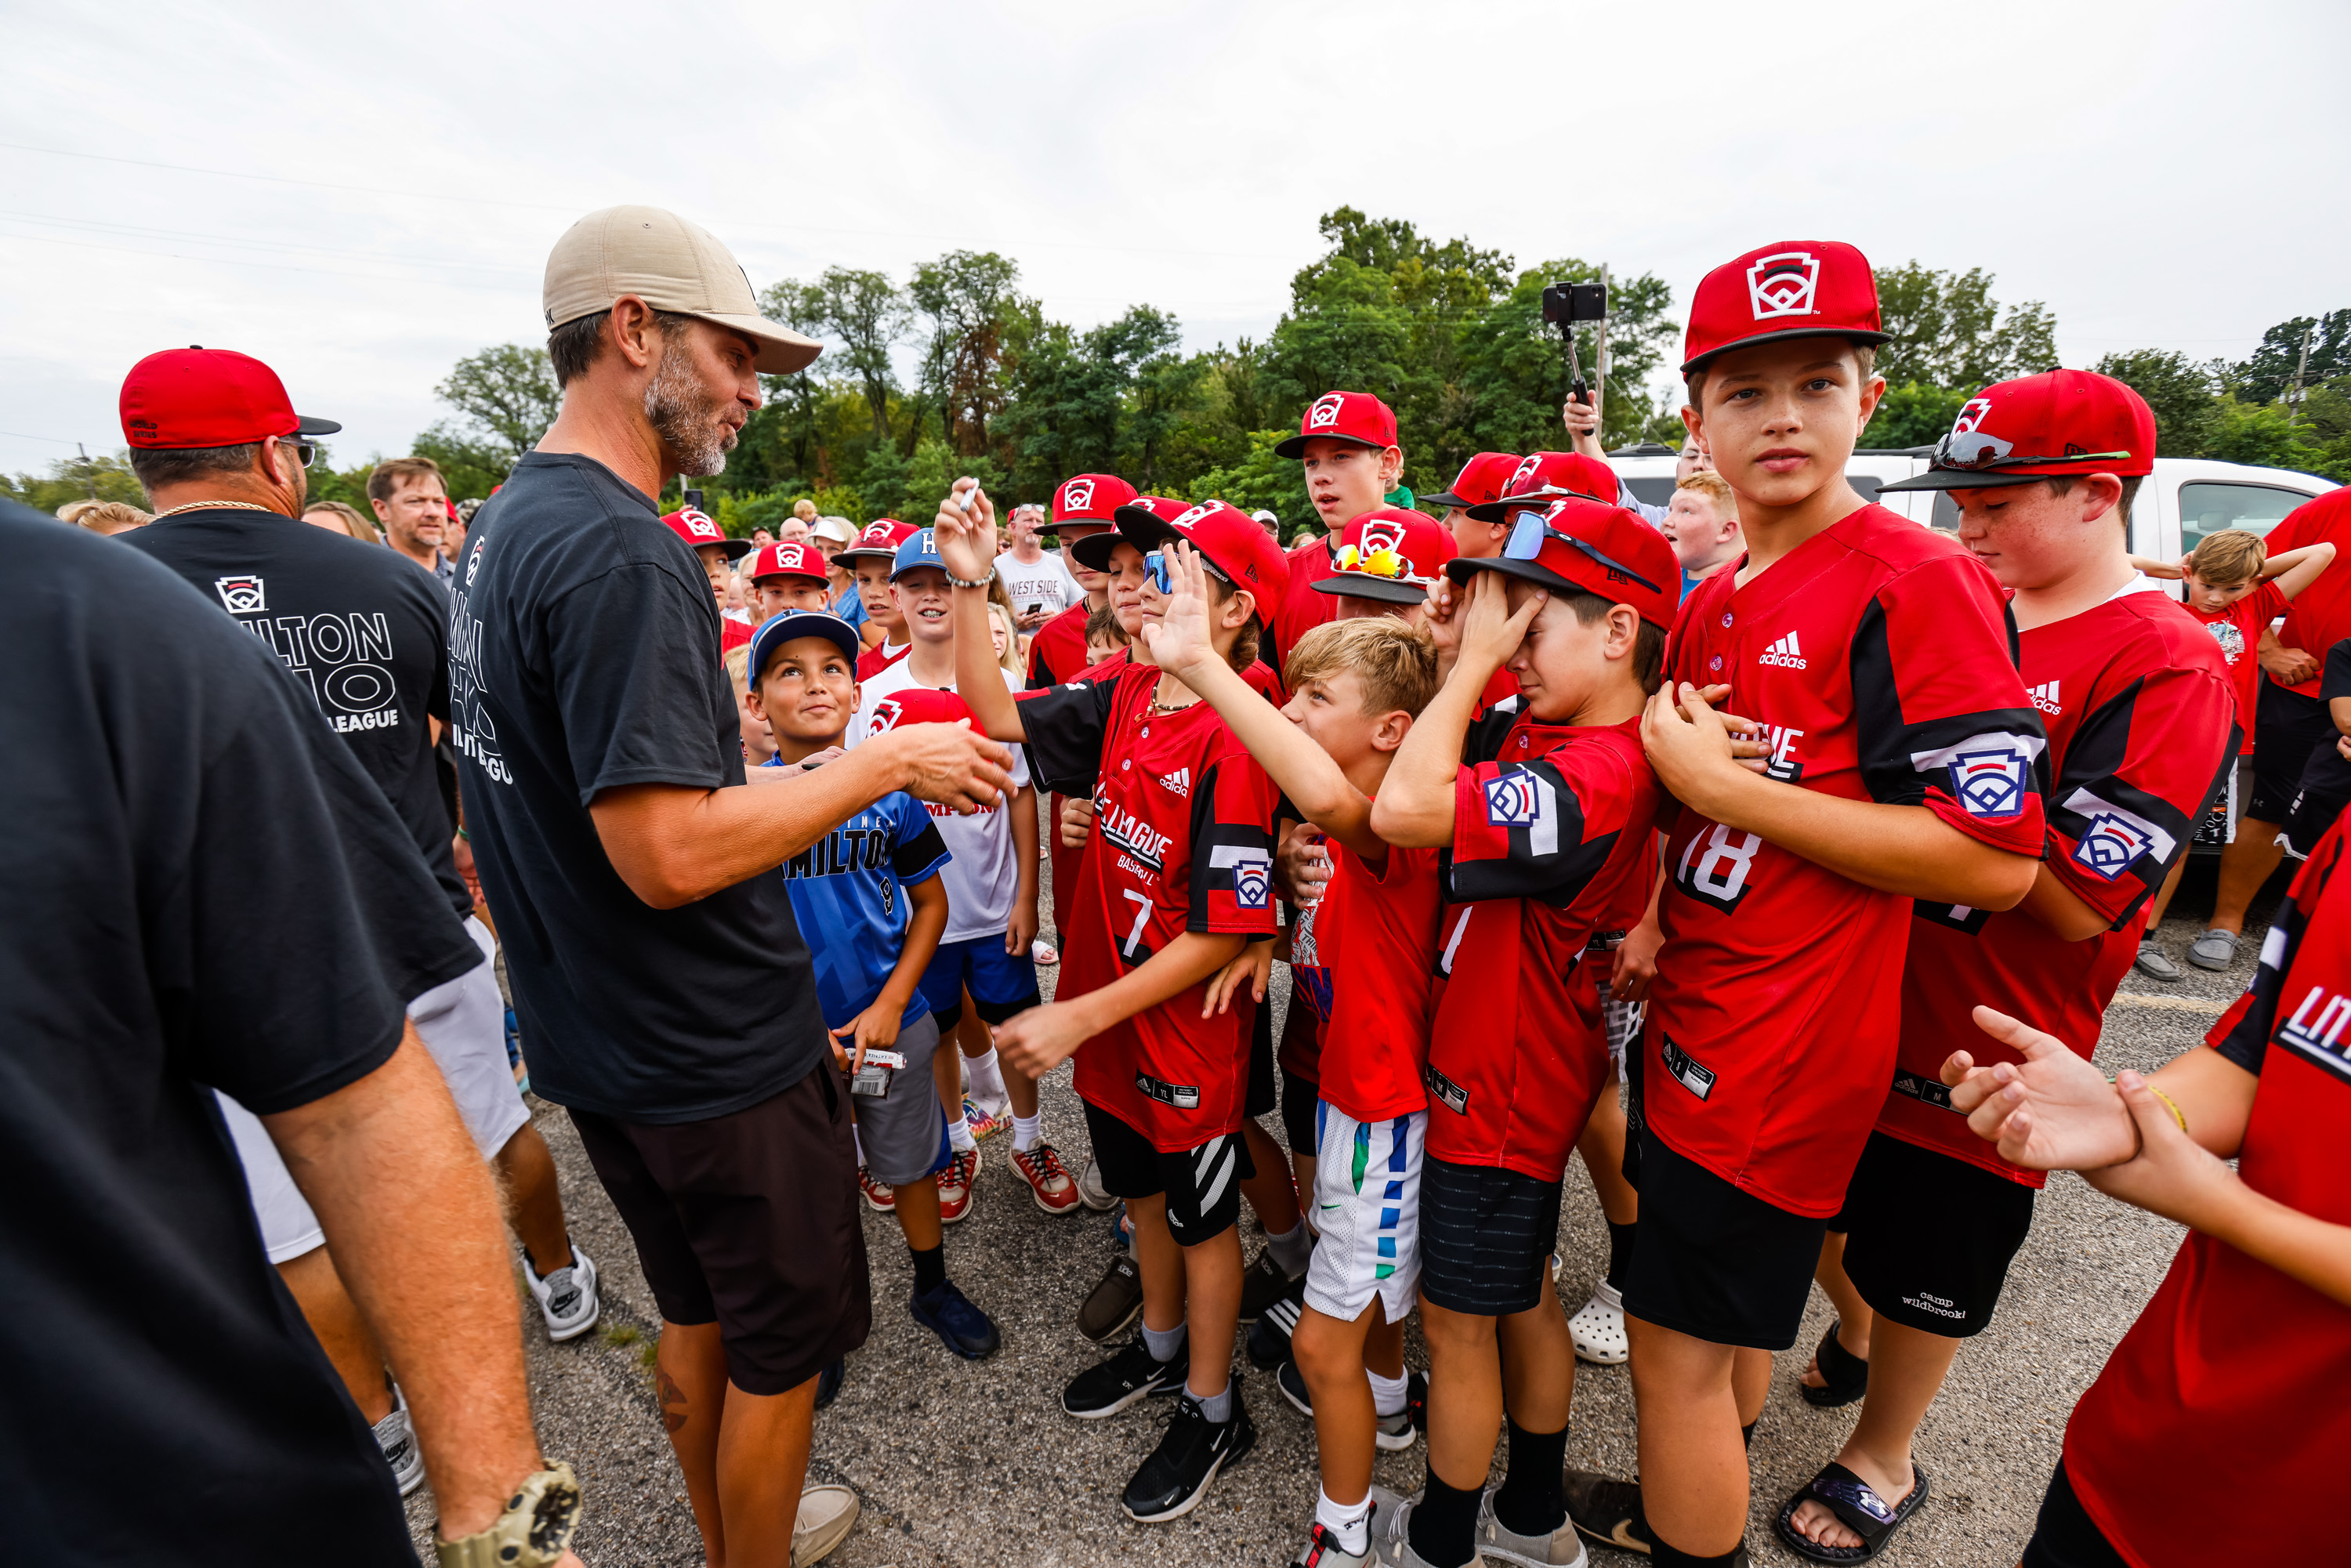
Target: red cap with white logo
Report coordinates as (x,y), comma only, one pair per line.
(1543,478)
(793,558)
(1582,546)
(879,541)
(1235,547)
(1352,416)
(1391,555)
(698,527)
(190,398)
(917,704)
(2057,423)
(1091,499)
(1796,288)
(1480,480)
(1093,550)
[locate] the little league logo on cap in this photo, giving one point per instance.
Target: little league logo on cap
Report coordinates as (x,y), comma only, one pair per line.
(790,559)
(671,265)
(1325,412)
(1078,493)
(1390,555)
(881,538)
(917,704)
(1794,289)
(195,398)
(1784,284)
(1228,540)
(1091,499)
(2056,423)
(1584,546)
(1543,478)
(697,527)
(1352,416)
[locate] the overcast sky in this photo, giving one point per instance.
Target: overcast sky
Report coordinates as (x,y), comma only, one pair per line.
(359,196)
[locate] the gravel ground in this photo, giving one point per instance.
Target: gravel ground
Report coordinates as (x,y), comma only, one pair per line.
(968,1464)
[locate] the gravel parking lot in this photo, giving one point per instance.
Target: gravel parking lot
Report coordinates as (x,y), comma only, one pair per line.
(968,1464)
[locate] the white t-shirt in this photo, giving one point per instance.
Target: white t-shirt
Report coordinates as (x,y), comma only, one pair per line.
(1044,581)
(984,875)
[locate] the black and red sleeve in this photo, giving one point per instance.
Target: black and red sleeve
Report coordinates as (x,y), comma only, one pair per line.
(1539,830)
(1233,805)
(1066,726)
(2143,766)
(2243,1033)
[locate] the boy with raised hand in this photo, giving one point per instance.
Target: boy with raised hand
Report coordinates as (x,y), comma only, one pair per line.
(1356,684)
(1178,882)
(1083,504)
(1545,812)
(868,899)
(991,884)
(788,576)
(871,557)
(2142,726)
(1346,445)
(1879,658)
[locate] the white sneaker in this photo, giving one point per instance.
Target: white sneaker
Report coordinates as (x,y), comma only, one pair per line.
(826,1515)
(567,1298)
(1599,1329)
(396,1435)
(1090,1191)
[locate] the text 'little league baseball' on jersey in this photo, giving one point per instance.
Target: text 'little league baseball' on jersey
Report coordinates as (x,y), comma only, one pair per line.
(2141,716)
(1550,822)
(1375,942)
(1879,657)
(2231,1383)
(1183,840)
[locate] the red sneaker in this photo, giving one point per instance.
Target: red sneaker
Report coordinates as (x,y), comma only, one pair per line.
(878,1198)
(1049,1183)
(955,1185)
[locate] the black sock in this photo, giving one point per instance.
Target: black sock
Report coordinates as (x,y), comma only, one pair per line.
(930,1267)
(1665,1556)
(1620,1251)
(1747,1434)
(1444,1524)
(1532,1501)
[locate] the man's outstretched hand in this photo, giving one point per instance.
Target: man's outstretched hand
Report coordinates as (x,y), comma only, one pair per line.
(950,765)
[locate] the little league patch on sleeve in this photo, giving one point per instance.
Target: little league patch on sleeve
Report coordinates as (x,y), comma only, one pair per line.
(2110,846)
(1989,773)
(1252,873)
(1524,798)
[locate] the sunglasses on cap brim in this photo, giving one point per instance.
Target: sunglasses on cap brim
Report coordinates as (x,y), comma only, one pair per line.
(1947,458)
(1156,567)
(1530,528)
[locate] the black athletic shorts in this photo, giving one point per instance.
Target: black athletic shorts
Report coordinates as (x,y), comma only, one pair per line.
(1928,1238)
(2286,729)
(1203,1186)
(1714,1262)
(1260,1101)
(750,1221)
(2318,799)
(1486,1238)
(1298,1098)
(2065,1536)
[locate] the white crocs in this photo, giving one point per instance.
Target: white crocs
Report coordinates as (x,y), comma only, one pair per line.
(1599,1329)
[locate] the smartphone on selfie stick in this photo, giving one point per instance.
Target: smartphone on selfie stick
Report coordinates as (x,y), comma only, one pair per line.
(1564,305)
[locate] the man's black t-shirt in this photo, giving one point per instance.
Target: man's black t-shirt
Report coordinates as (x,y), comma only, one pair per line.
(202,888)
(584,656)
(360,626)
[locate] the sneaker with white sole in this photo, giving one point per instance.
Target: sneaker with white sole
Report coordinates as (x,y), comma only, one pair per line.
(1090,1191)
(396,1435)
(1048,1180)
(1598,1329)
(1127,1378)
(827,1514)
(1192,1453)
(567,1298)
(1497,1543)
(1392,1538)
(957,1188)
(1322,1549)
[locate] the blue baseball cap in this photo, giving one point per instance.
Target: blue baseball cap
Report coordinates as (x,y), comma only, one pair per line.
(919,548)
(777,630)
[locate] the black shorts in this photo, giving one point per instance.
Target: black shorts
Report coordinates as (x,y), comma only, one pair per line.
(1928,1238)
(1714,1262)
(1203,1186)
(2318,799)
(1298,1098)
(1486,1238)
(748,1220)
(1260,1101)
(2287,728)
(2065,1536)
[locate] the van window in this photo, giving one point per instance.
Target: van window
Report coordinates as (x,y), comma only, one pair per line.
(1657,492)
(2206,508)
(1947,512)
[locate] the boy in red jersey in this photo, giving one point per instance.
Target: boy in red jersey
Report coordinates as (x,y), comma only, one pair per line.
(788,576)
(1178,882)
(1357,683)
(870,558)
(1546,811)
(2142,727)
(1347,443)
(1083,504)
(1877,657)
(1480,480)
(2229,1385)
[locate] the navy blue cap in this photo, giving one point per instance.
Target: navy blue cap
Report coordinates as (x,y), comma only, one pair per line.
(920,549)
(777,630)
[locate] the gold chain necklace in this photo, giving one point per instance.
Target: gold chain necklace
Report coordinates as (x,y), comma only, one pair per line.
(220,505)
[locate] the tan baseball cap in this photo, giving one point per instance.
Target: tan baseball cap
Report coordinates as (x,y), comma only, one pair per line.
(671,265)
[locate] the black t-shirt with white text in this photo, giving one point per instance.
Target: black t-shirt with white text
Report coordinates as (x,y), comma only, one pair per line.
(205,888)
(584,657)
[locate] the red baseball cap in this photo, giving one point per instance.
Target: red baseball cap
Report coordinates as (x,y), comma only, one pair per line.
(880,540)
(1796,288)
(1543,478)
(1358,417)
(697,527)
(1391,555)
(917,704)
(1480,480)
(1235,546)
(1091,499)
(1093,550)
(197,397)
(2057,423)
(794,558)
(1583,546)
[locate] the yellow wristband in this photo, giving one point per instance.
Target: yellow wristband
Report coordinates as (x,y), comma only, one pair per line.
(2169,1105)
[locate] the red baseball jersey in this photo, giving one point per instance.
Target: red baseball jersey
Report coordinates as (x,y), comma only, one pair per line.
(873,661)
(1183,840)
(1879,656)
(1375,930)
(732,634)
(2237,632)
(2320,615)
(1550,822)
(2232,1382)
(2141,724)
(1302,608)
(1058,651)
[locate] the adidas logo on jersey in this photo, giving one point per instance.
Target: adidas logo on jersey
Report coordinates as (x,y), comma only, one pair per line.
(1178,783)
(2044,697)
(1784,654)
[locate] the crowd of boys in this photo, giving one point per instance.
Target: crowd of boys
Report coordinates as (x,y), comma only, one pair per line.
(1777,854)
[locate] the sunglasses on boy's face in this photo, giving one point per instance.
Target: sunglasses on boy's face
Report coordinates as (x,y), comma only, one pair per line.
(1528,530)
(1155,566)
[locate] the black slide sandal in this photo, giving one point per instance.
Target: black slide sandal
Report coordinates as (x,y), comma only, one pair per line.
(1845,1375)
(1857,1506)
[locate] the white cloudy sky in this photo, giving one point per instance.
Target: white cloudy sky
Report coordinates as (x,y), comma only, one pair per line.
(360,195)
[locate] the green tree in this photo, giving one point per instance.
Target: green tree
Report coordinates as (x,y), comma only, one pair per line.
(2179,390)
(1914,415)
(83,478)
(1948,330)
(2268,374)
(866,315)
(1514,370)
(970,299)
(788,424)
(1071,403)
(506,396)
(1261,479)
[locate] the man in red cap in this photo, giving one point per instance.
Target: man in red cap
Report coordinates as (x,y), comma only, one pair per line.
(1346,444)
(1904,763)
(714,549)
(2141,715)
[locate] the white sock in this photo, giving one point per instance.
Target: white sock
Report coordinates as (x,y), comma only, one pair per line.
(1387,1392)
(959,1135)
(1026,1132)
(1216,1407)
(861,1145)
(986,1079)
(1290,1248)
(1350,1521)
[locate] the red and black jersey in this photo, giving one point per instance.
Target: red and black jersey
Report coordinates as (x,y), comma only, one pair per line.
(1550,822)
(875,660)
(2142,721)
(1881,659)
(1375,933)
(2320,615)
(1058,651)
(2232,1381)
(1183,840)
